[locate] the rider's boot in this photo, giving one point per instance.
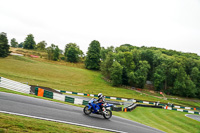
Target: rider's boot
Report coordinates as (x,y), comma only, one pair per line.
(104,110)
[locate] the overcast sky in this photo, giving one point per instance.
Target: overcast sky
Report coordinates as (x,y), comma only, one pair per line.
(170,24)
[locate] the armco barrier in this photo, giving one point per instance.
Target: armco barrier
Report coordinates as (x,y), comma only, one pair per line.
(190,108)
(13,85)
(64,98)
(181,110)
(83,102)
(59,97)
(124,99)
(94,95)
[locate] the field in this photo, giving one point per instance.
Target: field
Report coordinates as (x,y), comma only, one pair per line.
(73,77)
(61,77)
(165,120)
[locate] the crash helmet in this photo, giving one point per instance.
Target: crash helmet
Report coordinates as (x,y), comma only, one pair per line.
(100,95)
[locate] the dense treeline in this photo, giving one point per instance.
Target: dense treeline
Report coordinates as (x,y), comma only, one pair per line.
(171,71)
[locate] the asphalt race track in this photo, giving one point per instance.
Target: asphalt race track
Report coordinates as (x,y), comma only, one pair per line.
(54,111)
(195,117)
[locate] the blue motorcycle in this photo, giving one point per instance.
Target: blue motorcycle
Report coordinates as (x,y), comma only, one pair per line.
(94,107)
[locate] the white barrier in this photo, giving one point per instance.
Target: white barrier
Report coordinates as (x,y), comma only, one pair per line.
(15,86)
(78,101)
(59,97)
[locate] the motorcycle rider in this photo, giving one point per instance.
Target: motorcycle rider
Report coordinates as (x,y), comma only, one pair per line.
(101,99)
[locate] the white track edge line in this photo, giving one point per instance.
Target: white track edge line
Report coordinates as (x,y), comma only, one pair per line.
(71,123)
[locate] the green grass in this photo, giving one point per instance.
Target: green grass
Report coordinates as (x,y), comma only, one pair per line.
(165,120)
(17,124)
(185,103)
(61,77)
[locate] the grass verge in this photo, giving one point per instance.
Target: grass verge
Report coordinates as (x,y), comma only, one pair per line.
(165,120)
(17,124)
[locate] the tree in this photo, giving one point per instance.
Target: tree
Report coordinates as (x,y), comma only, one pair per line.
(148,55)
(53,52)
(175,72)
(20,45)
(14,43)
(4,47)
(93,56)
(104,52)
(195,75)
(72,52)
(67,46)
(128,61)
(183,85)
(131,78)
(141,74)
(29,42)
(50,51)
(107,64)
(125,48)
(41,45)
(124,77)
(159,77)
(56,54)
(136,55)
(116,74)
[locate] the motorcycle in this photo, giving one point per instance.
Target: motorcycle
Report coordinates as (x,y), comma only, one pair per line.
(94,107)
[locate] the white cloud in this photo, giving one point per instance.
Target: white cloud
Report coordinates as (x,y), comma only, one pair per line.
(171,24)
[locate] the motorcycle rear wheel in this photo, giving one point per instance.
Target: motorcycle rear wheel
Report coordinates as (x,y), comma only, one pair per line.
(87,111)
(108,114)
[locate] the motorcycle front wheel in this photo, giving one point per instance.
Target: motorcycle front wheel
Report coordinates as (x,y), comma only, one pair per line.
(107,114)
(87,111)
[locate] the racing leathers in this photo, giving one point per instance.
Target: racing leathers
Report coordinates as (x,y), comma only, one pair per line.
(102,101)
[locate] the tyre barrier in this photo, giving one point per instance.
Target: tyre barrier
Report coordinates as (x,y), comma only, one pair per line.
(116,108)
(48,94)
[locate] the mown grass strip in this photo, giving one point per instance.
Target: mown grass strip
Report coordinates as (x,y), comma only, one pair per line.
(17,124)
(165,120)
